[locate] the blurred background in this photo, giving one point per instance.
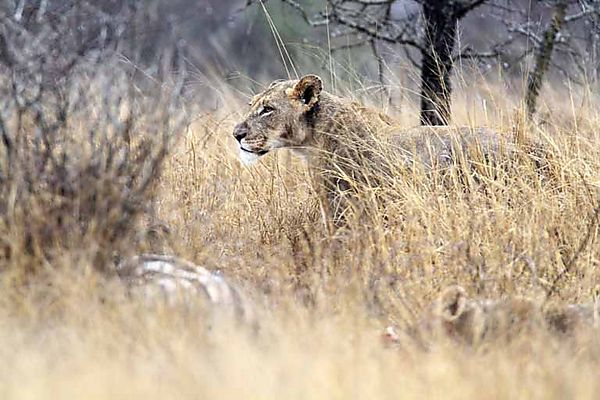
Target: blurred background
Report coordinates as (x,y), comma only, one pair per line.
(381,45)
(378,46)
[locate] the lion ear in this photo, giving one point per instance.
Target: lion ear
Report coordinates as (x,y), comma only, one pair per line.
(307,90)
(452,303)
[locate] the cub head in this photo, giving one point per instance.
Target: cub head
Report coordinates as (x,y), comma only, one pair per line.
(278,117)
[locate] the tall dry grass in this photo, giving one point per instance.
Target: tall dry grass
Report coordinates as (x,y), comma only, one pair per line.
(324,296)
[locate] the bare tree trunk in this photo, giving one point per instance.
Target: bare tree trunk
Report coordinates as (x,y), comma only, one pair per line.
(440,34)
(543,56)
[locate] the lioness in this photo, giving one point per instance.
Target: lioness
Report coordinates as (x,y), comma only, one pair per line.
(474,321)
(346,143)
(471,320)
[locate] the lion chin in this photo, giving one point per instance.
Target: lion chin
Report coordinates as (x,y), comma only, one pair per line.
(248,158)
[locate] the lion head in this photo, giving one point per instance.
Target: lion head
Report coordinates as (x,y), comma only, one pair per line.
(279,117)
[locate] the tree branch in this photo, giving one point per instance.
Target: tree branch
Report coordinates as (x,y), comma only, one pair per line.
(395,39)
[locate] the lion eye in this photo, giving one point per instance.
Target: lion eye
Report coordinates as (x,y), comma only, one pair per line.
(266,110)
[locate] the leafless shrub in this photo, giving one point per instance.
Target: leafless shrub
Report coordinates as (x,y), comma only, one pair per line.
(84,128)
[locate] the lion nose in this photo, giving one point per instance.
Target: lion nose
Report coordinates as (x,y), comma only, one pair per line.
(240,131)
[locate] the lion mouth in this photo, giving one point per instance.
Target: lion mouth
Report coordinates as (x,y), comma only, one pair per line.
(258,153)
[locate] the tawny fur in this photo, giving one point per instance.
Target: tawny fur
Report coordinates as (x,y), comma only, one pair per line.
(348,144)
(470,320)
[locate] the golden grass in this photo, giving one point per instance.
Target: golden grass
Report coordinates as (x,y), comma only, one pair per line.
(324,299)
